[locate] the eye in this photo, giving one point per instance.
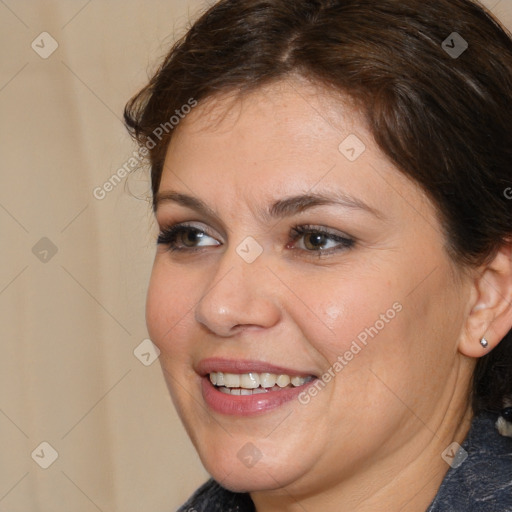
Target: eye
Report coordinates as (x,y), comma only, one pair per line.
(184,237)
(316,239)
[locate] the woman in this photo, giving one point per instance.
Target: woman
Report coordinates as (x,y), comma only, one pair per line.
(332,289)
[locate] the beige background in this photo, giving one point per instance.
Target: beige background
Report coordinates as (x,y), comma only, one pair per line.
(70,321)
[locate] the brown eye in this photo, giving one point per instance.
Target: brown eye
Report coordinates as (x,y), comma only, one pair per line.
(319,240)
(315,241)
(182,237)
(189,237)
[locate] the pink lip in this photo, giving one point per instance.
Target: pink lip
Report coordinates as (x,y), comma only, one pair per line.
(217,364)
(245,405)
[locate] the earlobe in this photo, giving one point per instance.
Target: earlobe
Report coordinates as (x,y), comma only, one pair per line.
(490,317)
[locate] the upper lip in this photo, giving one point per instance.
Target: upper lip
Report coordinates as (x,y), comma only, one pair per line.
(239,366)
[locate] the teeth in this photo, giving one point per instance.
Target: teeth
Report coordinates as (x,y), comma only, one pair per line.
(268,380)
(283,381)
(242,391)
(249,380)
(250,383)
(231,380)
(298,381)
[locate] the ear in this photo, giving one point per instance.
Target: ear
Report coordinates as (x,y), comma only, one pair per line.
(490,314)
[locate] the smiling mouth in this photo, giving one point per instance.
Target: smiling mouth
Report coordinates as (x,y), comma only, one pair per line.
(253,383)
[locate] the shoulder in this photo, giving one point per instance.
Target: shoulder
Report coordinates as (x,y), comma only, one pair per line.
(481,479)
(212,497)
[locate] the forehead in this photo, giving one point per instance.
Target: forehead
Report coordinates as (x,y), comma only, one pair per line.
(285,138)
(293,108)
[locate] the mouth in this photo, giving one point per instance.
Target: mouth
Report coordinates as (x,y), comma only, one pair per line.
(243,388)
(253,383)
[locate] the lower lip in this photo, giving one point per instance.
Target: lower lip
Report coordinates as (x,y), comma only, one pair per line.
(247,405)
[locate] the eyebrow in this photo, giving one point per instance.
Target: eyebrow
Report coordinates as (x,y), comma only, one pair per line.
(281,208)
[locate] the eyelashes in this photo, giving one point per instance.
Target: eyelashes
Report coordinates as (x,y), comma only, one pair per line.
(313,238)
(183,238)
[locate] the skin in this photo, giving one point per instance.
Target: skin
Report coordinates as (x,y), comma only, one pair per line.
(372,439)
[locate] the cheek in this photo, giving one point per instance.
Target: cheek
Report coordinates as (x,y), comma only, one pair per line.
(341,310)
(169,305)
(370,334)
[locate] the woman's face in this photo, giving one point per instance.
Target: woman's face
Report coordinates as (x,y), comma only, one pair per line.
(313,257)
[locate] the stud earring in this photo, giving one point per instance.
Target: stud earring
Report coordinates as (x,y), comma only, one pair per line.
(484,342)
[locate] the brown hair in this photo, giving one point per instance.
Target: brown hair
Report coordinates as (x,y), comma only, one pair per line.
(443,117)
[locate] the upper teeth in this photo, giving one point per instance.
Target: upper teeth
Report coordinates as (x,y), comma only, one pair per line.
(253,380)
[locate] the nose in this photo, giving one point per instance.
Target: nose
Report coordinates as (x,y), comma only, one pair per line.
(239,295)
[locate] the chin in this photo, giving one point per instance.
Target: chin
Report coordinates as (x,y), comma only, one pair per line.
(242,465)
(255,479)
